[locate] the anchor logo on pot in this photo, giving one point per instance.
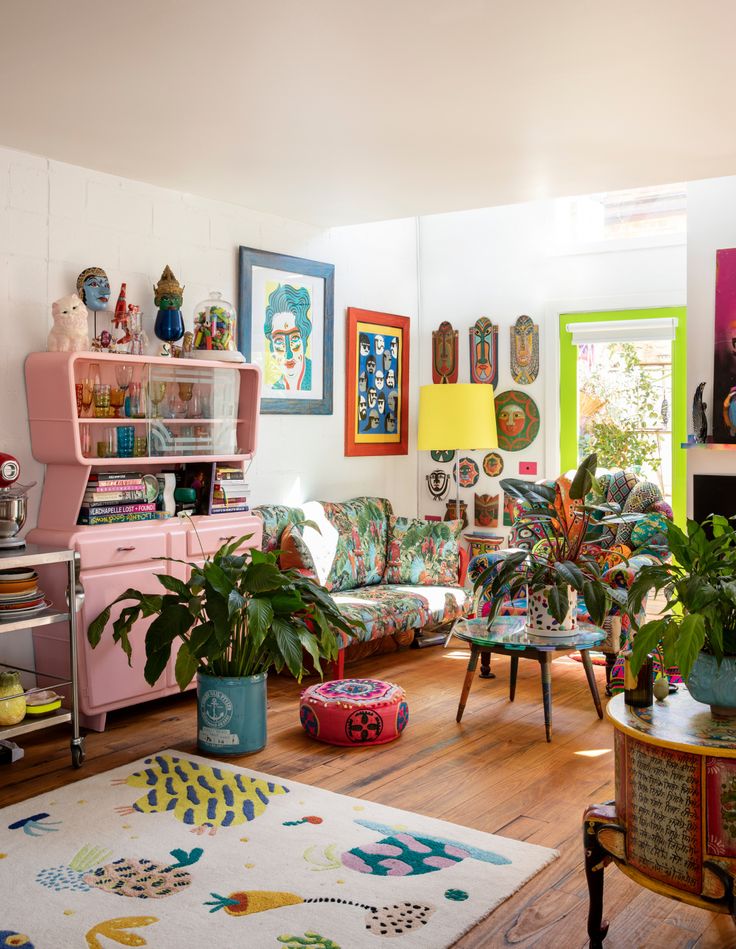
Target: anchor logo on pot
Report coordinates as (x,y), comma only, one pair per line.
(217,709)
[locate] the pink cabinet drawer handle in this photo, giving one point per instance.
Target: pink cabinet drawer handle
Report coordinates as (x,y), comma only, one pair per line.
(122,549)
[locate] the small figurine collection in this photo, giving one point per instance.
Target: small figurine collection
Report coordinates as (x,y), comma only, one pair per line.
(215,321)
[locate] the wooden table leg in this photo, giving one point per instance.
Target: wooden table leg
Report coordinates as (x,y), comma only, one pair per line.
(485,665)
(590,673)
(469,676)
(512,680)
(545,665)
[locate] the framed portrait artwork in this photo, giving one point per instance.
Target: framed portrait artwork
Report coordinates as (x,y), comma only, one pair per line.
(286,328)
(376,383)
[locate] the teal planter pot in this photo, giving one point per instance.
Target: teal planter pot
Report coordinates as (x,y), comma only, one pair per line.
(231,714)
(714,685)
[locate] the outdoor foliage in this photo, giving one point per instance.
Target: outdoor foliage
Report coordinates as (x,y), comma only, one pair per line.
(700,590)
(237,615)
(618,404)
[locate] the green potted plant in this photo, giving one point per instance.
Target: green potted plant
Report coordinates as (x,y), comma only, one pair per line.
(562,564)
(697,625)
(237,616)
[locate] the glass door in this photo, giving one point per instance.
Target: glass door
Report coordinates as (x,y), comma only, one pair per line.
(623,394)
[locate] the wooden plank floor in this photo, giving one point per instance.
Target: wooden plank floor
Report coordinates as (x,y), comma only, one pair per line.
(493,772)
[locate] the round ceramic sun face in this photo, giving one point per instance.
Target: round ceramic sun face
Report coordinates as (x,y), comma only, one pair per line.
(468,472)
(493,464)
(517,420)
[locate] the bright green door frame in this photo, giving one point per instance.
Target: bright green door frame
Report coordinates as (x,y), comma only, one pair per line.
(569,391)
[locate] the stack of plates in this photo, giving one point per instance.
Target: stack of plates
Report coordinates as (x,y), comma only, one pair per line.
(19,594)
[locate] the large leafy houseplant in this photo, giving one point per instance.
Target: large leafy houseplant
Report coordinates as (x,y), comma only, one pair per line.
(237,615)
(568,521)
(699,585)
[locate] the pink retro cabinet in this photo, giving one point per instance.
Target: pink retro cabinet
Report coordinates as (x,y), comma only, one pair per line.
(225,397)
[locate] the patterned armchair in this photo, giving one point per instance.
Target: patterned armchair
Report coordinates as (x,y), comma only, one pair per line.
(621,552)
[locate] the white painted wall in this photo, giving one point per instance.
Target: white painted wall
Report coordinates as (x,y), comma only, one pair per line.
(501,262)
(711,226)
(56,219)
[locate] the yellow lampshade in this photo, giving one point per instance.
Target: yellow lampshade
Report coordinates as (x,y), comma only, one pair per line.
(459,416)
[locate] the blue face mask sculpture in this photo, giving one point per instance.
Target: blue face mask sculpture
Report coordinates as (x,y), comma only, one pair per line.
(93,288)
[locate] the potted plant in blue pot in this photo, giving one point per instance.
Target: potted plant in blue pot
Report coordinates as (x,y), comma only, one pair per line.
(236,617)
(697,625)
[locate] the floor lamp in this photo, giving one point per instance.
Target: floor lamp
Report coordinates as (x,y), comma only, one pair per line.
(457,417)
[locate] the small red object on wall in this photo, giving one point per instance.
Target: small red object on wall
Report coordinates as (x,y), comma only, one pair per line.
(528,467)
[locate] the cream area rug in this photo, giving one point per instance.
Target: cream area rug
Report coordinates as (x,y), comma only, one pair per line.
(175,851)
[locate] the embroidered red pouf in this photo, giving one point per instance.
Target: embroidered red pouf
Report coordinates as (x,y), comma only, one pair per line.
(354,711)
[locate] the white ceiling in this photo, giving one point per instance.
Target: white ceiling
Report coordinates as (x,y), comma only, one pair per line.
(342,111)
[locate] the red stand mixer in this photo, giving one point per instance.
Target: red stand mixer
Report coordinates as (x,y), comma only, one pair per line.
(13,502)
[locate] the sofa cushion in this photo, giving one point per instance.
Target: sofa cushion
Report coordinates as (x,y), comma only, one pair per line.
(389,608)
(362,524)
(275,518)
(352,533)
(423,552)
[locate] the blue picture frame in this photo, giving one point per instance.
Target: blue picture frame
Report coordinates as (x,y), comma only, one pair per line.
(289,363)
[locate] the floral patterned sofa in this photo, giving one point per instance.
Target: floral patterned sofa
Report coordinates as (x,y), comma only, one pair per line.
(621,553)
(362,549)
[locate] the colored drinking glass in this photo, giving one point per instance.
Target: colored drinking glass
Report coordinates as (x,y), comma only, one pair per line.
(102,401)
(126,440)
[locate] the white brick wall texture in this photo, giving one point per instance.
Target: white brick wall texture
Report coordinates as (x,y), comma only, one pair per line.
(57,219)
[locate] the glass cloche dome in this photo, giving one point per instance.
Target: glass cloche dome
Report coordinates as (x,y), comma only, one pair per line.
(216,330)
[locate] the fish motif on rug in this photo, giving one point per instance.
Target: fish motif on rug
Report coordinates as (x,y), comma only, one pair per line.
(198,794)
(401,853)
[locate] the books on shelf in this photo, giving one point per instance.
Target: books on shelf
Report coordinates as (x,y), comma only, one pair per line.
(230,491)
(115,518)
(112,497)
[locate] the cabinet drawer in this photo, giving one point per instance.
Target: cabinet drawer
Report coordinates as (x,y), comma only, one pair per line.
(122,548)
(212,536)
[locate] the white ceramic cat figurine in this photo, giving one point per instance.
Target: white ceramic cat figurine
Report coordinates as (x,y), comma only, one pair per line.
(69,332)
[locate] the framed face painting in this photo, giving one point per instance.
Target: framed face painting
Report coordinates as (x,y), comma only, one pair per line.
(286,328)
(376,383)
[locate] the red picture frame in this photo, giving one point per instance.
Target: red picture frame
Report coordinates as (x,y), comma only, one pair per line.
(376,383)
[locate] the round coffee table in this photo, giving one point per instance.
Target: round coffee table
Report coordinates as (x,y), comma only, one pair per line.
(508,636)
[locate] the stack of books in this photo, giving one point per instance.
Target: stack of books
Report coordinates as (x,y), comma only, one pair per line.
(113,497)
(230,490)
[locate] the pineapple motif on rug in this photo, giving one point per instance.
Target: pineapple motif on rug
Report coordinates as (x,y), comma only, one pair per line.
(175,843)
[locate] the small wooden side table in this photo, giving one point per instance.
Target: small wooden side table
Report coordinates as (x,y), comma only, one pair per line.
(508,635)
(672,827)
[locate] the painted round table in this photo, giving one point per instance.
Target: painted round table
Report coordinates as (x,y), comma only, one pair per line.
(672,827)
(509,636)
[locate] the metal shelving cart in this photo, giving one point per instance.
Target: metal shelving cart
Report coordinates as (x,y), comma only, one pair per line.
(33,556)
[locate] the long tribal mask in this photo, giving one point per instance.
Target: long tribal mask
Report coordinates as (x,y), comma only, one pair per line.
(484,352)
(486,510)
(444,353)
(438,482)
(524,351)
